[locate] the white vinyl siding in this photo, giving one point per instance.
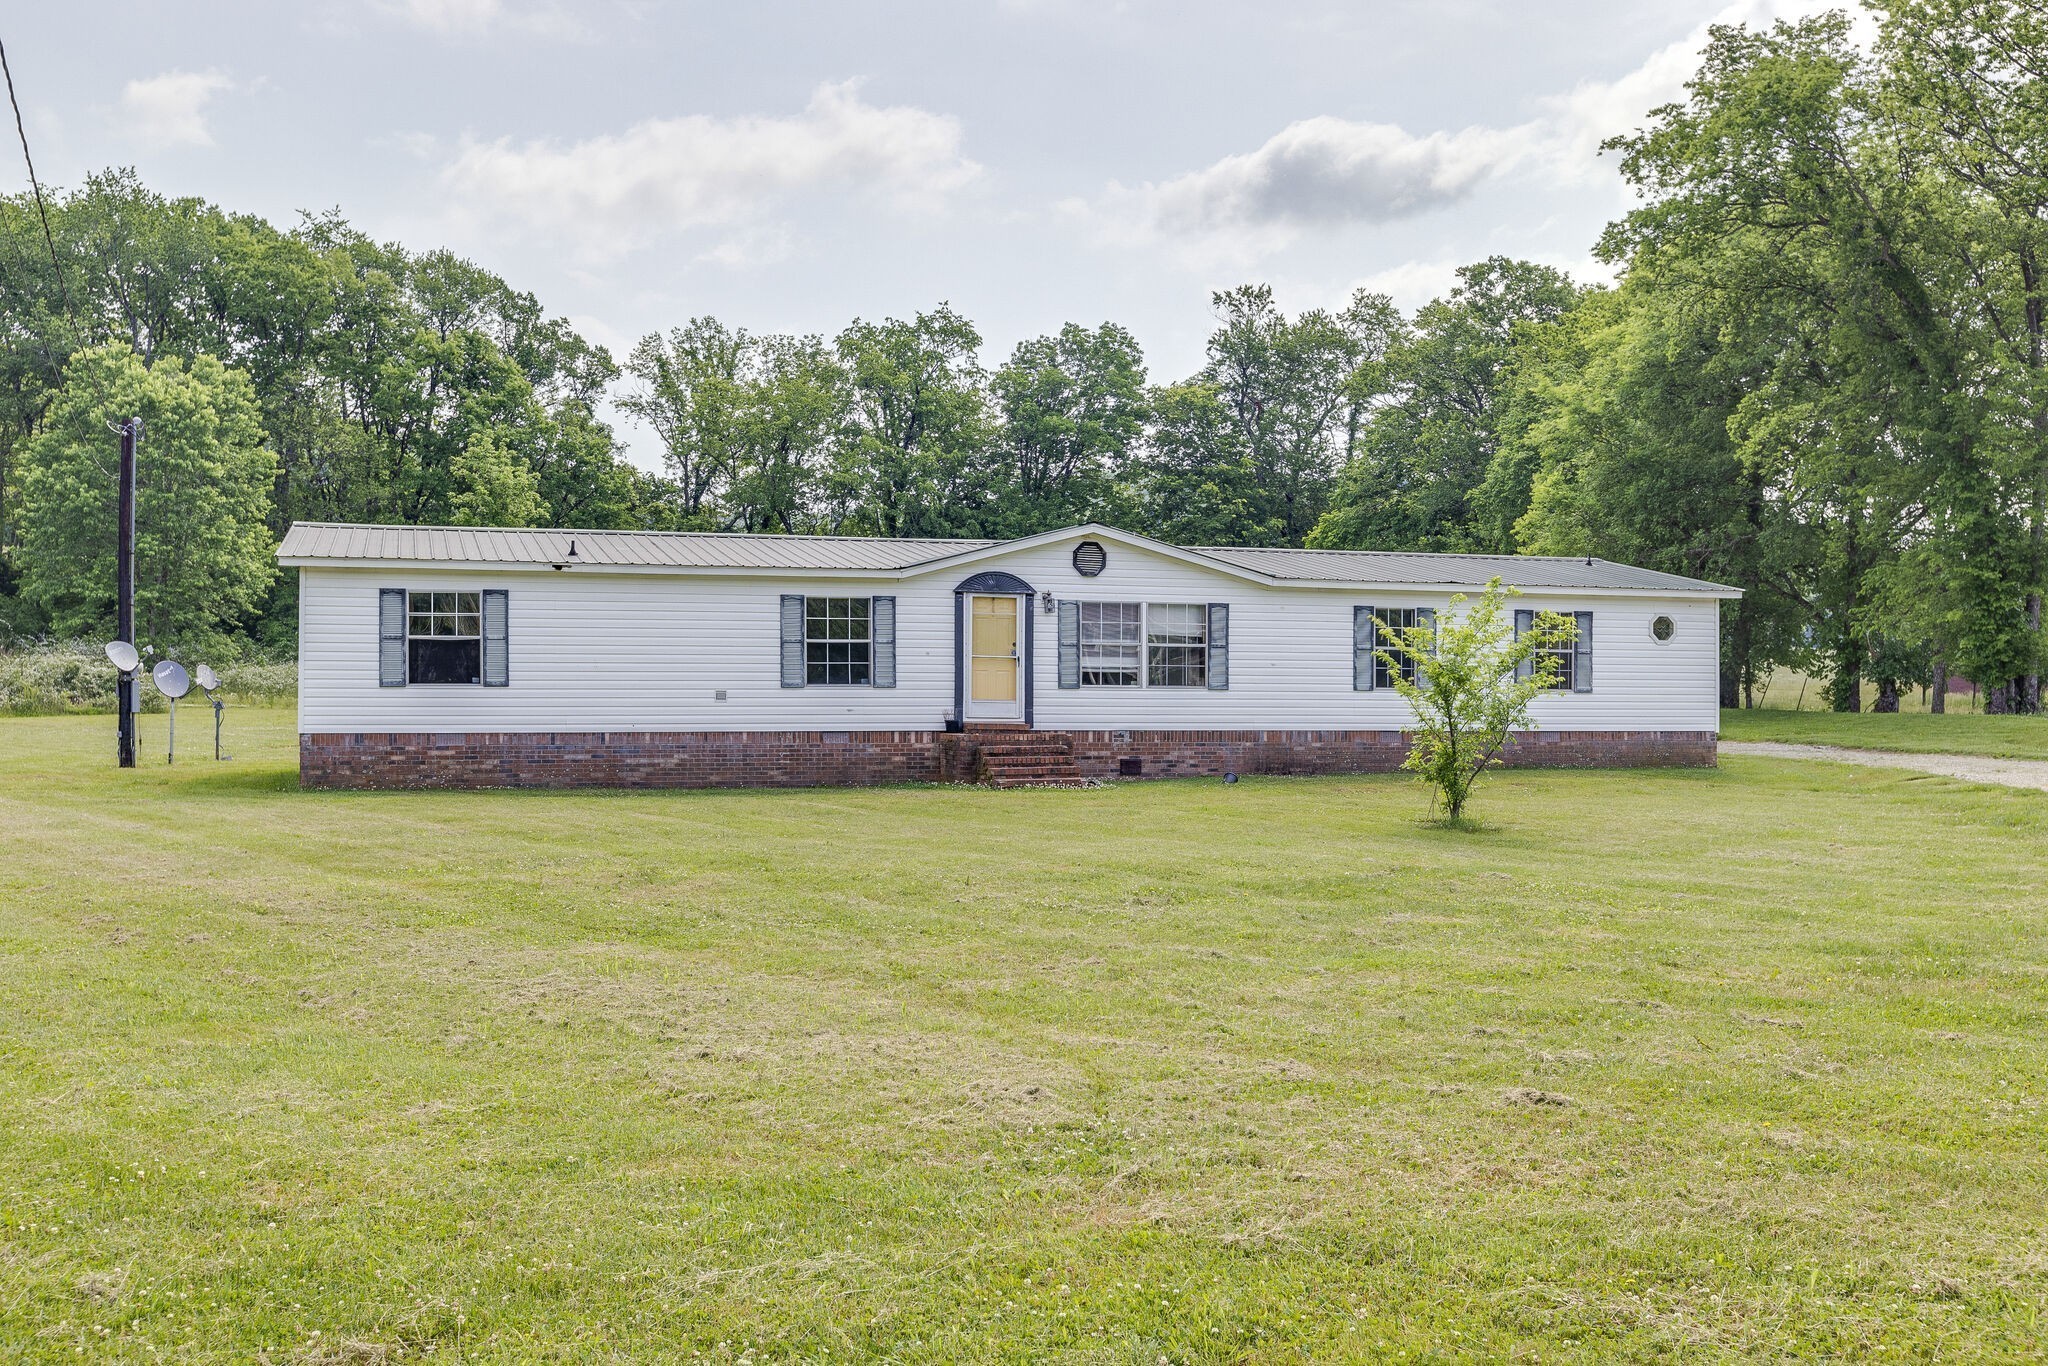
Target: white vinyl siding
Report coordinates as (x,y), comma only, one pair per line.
(624,652)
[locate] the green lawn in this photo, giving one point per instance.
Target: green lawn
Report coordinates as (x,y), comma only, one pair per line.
(2004,737)
(1660,1064)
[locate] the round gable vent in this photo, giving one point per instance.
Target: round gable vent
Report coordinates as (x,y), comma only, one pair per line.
(1089,558)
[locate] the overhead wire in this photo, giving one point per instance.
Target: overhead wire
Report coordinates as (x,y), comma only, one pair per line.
(49,238)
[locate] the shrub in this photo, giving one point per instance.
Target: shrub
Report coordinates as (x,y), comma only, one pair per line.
(48,678)
(1475,679)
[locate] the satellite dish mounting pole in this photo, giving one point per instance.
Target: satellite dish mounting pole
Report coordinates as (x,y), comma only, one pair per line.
(125,609)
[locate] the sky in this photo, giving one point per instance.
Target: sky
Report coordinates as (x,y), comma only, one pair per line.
(788,168)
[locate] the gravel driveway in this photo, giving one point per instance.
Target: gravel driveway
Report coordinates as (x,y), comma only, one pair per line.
(1973,768)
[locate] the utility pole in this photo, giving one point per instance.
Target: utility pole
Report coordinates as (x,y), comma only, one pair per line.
(131,432)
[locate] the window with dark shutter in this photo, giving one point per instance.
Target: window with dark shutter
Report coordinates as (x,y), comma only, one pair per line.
(444,638)
(1219,646)
(1364,640)
(792,640)
(882,617)
(1070,645)
(497,671)
(1425,617)
(391,670)
(839,642)
(1397,620)
(1582,654)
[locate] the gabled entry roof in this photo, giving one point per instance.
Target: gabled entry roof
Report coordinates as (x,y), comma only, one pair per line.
(345,544)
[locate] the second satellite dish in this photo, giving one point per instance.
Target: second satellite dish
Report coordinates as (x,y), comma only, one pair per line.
(122,655)
(171,679)
(207,678)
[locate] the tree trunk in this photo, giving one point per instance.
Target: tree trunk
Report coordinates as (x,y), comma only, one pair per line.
(2030,686)
(1938,703)
(1887,696)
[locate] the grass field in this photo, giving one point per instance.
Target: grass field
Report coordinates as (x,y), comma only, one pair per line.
(2003,737)
(1683,1065)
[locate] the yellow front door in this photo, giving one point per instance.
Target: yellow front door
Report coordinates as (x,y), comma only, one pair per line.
(992,682)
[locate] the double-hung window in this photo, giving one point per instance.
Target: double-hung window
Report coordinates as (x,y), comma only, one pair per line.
(1573,657)
(1406,617)
(838,642)
(444,638)
(1145,645)
(1176,645)
(1112,644)
(1566,656)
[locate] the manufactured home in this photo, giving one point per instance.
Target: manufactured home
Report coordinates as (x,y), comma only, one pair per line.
(476,657)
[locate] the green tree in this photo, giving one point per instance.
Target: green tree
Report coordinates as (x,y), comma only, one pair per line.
(792,413)
(692,390)
(204,554)
(1617,419)
(1195,480)
(1295,389)
(1473,680)
(1418,475)
(1798,192)
(914,459)
(493,487)
(1072,409)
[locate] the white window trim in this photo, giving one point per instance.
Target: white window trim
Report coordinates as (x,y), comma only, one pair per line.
(429,594)
(810,640)
(1145,646)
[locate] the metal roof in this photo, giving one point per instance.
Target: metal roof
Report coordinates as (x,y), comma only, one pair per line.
(326,542)
(640,549)
(1415,567)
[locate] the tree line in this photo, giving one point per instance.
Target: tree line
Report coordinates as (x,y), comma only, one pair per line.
(1821,376)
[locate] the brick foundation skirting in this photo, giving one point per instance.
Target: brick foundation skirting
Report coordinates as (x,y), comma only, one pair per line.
(859,758)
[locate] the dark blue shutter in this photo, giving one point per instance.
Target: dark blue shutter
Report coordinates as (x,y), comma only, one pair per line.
(497,671)
(1219,646)
(792,640)
(391,670)
(1525,620)
(882,623)
(1425,617)
(1364,638)
(1070,644)
(1582,652)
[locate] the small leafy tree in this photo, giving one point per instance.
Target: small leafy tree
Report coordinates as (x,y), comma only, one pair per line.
(1473,680)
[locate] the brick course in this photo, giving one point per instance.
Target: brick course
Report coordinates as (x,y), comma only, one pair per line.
(858,758)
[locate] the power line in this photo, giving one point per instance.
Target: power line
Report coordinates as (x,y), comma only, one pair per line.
(33,184)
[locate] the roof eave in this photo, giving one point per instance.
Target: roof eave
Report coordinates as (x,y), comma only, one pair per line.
(581,568)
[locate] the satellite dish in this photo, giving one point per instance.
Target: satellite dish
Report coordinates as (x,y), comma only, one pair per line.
(171,679)
(122,655)
(207,678)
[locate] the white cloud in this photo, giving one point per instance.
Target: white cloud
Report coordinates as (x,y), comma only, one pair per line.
(616,193)
(1326,172)
(1318,173)
(170,110)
